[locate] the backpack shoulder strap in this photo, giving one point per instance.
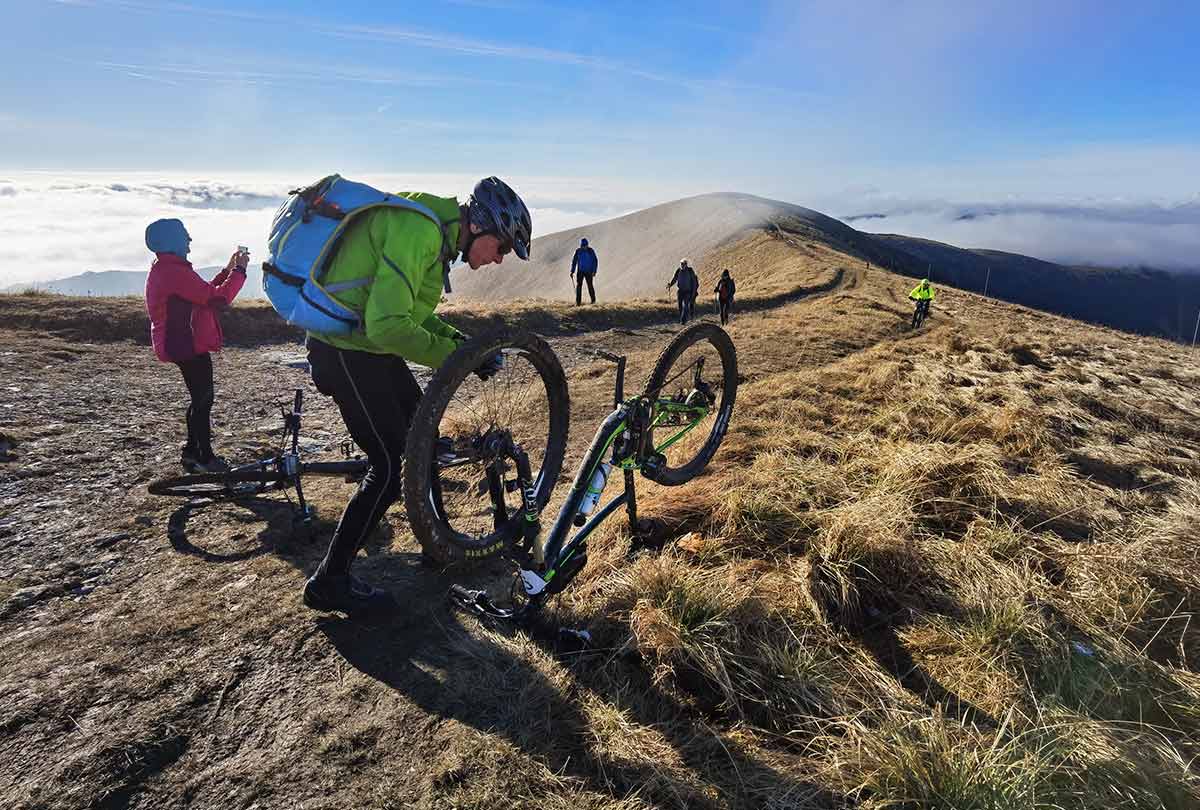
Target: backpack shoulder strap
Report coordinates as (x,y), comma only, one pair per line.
(390,201)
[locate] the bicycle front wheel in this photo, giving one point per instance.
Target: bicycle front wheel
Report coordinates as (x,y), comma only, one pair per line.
(693,386)
(238,483)
(460,491)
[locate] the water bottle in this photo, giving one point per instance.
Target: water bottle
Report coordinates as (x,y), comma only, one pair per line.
(592,497)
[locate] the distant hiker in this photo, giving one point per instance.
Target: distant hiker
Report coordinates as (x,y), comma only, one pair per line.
(402,256)
(586,263)
(725,289)
(923,294)
(688,287)
(185,329)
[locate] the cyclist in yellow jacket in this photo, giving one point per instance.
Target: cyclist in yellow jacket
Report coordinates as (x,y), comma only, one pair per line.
(923,294)
(407,257)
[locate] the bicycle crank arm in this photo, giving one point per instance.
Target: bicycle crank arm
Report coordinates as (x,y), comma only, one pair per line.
(479,603)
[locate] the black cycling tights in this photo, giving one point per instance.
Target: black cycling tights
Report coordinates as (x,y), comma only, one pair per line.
(198,377)
(377,395)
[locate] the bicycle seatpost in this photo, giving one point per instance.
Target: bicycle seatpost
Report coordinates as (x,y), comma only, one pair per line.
(619,395)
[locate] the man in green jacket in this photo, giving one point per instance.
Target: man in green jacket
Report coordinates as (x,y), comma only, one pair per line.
(406,257)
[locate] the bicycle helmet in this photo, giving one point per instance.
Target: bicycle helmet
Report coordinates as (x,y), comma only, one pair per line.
(497,210)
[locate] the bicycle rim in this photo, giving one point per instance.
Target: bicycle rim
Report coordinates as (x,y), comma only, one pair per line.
(237,483)
(698,366)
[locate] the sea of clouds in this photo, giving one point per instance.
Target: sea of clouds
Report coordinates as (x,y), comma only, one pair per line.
(1107,233)
(56,225)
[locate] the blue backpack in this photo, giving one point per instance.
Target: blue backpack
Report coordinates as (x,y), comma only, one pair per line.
(304,238)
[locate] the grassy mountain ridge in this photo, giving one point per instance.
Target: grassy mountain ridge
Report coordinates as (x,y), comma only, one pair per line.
(952,568)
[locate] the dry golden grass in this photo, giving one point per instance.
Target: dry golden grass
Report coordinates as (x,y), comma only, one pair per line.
(900,567)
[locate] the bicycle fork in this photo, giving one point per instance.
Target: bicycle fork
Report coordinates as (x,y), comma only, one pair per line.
(291,462)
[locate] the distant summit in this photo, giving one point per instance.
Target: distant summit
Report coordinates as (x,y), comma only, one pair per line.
(638,251)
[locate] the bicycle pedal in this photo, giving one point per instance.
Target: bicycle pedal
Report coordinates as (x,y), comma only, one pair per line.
(580,638)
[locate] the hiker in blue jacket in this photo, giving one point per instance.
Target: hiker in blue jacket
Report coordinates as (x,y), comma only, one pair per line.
(585,263)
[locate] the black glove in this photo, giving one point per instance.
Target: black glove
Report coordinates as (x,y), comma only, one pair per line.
(490,367)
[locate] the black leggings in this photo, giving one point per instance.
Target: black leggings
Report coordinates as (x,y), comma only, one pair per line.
(579,279)
(198,377)
(726,306)
(377,395)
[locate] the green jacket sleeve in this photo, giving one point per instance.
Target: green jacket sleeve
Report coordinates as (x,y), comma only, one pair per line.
(436,326)
(409,248)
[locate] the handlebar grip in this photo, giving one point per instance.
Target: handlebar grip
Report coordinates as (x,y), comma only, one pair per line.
(460,592)
(298,405)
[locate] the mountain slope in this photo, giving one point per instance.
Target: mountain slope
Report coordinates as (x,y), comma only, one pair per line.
(1144,300)
(638,252)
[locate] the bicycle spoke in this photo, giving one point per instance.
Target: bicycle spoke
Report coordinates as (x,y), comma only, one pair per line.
(514,399)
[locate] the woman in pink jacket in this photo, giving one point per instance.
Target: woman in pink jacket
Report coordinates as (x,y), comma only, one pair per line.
(184,328)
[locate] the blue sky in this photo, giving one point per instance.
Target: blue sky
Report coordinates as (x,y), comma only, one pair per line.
(851,108)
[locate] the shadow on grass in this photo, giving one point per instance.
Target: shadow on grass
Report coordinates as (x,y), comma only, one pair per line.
(517,693)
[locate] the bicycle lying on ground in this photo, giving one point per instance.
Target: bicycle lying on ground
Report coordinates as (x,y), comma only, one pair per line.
(483,457)
(281,470)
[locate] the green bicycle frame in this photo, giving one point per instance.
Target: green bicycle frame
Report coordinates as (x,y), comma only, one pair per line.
(621,432)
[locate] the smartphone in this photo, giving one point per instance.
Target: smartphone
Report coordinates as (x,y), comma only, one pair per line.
(243,249)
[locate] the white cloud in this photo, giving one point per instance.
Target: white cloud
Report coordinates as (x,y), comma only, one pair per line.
(54,226)
(1107,239)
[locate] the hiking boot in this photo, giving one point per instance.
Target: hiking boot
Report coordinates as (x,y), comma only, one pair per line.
(346,594)
(189,458)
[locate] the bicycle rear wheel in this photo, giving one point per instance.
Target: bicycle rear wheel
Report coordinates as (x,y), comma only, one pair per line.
(453,478)
(698,367)
(237,483)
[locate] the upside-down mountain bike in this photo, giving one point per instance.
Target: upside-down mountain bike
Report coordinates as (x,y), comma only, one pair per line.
(483,457)
(281,470)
